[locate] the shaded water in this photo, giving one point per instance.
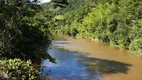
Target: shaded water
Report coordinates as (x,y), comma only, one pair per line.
(81,59)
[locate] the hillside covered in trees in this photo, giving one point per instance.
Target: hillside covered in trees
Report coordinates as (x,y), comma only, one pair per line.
(116,22)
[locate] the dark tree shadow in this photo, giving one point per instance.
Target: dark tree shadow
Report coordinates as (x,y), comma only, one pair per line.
(104,66)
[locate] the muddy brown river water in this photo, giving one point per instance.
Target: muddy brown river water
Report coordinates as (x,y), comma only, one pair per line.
(82,59)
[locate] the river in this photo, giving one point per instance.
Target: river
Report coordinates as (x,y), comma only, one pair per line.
(82,59)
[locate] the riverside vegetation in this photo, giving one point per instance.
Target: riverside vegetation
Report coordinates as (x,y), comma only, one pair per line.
(24,35)
(116,22)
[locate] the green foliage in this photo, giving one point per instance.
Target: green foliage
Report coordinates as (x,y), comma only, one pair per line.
(24,32)
(117,22)
(136,46)
(59,17)
(18,69)
(95,21)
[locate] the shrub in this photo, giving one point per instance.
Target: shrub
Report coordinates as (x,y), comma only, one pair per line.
(17,69)
(136,46)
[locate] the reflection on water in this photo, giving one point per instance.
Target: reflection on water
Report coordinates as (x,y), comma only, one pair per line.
(68,66)
(73,65)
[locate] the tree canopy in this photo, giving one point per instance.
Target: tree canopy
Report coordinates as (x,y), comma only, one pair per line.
(104,20)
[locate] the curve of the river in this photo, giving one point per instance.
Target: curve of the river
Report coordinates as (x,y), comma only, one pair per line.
(81,59)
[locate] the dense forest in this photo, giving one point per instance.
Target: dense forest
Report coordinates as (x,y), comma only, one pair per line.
(116,22)
(26,29)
